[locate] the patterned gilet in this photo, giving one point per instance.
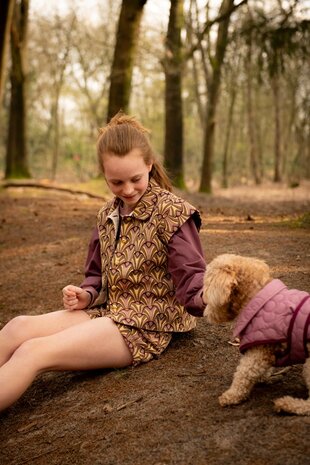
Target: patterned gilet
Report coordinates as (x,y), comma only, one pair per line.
(140,291)
(277,315)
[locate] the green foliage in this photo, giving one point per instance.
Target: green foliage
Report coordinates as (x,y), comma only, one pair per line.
(18,173)
(178,181)
(302,222)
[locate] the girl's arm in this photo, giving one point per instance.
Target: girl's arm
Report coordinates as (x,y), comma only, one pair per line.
(187,266)
(92,280)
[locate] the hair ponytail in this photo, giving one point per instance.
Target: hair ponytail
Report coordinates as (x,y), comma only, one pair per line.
(159,174)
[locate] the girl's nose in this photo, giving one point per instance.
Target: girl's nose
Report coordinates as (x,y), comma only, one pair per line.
(128,189)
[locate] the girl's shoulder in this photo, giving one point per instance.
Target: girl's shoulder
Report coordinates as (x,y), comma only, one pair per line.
(172,200)
(107,207)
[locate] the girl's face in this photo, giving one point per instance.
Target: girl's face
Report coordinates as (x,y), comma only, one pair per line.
(127,177)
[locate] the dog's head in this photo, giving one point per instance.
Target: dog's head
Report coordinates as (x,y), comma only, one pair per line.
(230,282)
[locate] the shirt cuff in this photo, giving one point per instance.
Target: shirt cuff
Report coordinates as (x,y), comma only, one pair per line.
(198,299)
(93,294)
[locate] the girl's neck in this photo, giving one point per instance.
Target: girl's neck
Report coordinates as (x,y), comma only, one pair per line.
(125,210)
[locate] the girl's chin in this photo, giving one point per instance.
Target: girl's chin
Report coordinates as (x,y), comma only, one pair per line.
(131,200)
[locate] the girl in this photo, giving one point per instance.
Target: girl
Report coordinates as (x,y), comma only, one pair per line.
(143,278)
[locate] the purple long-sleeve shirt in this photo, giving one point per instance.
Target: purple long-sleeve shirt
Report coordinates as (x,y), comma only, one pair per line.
(185,263)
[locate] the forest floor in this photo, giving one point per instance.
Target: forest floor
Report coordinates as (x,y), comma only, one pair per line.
(165,412)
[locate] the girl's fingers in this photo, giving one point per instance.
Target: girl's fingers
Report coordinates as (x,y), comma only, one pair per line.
(70,298)
(70,305)
(73,297)
(71,291)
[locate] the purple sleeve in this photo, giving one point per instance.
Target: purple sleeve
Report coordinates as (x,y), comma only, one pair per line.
(92,280)
(187,266)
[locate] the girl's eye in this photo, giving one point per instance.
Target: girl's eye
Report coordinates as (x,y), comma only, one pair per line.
(118,183)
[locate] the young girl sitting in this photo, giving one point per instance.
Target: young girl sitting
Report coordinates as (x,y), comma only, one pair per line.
(143,279)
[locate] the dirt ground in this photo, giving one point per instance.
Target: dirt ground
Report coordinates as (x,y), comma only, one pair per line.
(165,412)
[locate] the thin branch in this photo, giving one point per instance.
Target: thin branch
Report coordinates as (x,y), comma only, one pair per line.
(208,26)
(37,185)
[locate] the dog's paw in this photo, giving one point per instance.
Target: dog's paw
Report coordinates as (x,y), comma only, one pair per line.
(292,405)
(230,398)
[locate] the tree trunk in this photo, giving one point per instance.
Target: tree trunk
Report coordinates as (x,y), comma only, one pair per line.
(195,68)
(258,134)
(213,95)
(288,140)
(124,52)
(6,12)
(277,177)
(173,151)
(16,156)
(233,94)
(65,42)
(55,144)
(254,164)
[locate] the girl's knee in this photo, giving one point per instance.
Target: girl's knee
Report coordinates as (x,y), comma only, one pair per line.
(16,326)
(31,352)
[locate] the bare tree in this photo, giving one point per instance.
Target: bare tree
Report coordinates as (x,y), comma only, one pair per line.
(64,41)
(191,26)
(213,86)
(92,54)
(51,47)
(232,97)
(276,36)
(254,159)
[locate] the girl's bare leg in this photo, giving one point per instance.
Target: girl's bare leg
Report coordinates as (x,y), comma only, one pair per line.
(22,328)
(91,344)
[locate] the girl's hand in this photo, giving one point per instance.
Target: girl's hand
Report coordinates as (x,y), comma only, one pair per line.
(75,298)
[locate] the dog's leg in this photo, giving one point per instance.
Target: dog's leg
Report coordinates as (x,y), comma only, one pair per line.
(293,405)
(252,367)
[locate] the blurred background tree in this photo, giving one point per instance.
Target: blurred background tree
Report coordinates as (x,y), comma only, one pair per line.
(173,63)
(124,53)
(223,86)
(16,161)
(6,12)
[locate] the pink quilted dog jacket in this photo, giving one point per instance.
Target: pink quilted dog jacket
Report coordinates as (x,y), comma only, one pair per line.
(277,314)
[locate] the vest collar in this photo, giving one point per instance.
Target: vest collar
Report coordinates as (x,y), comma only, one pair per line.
(144,208)
(114,217)
(259,300)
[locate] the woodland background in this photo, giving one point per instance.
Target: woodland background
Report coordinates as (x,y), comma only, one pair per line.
(224,88)
(222,85)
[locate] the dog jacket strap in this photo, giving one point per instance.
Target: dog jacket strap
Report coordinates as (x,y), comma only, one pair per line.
(297,335)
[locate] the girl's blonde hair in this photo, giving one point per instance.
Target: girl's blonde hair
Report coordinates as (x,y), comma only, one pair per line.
(123,134)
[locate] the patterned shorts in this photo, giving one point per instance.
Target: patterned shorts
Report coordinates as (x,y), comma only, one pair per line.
(144,345)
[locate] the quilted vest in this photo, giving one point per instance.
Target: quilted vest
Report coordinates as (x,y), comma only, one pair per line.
(276,315)
(134,268)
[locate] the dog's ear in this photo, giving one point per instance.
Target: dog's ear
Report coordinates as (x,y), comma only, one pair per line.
(217,288)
